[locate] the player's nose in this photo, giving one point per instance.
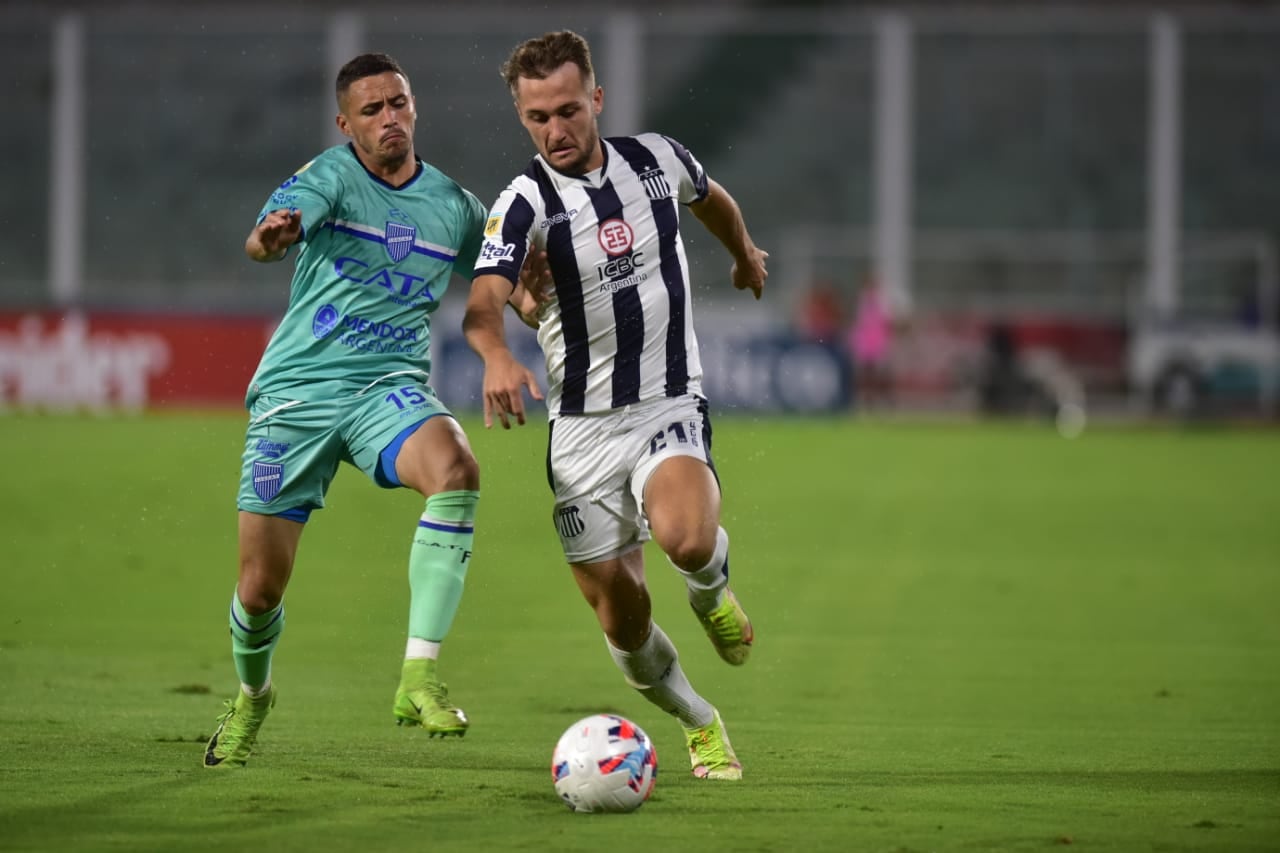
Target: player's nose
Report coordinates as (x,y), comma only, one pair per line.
(557,128)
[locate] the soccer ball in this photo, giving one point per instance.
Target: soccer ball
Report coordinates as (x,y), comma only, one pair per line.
(604,763)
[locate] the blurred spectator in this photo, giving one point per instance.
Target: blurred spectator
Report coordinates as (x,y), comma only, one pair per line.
(820,316)
(1001,385)
(869,339)
(1248,306)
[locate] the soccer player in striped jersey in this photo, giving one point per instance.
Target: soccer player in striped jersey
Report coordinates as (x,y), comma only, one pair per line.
(344,378)
(629,453)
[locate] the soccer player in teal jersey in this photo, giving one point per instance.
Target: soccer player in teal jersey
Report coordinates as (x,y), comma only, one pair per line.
(344,378)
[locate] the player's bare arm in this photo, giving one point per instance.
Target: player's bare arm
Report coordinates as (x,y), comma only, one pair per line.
(533,289)
(271,238)
(720,214)
(505,378)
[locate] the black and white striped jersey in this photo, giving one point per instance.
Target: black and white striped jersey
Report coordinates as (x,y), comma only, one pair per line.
(619,328)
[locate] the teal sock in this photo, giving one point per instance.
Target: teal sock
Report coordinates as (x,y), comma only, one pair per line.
(438,562)
(253,642)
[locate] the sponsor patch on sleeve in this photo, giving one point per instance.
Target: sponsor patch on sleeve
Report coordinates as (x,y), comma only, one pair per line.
(496,252)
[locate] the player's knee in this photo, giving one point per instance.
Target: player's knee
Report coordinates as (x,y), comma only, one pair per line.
(462,473)
(259,598)
(261,583)
(689,549)
(431,476)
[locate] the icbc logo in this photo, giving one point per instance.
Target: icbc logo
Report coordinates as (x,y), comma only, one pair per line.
(615,236)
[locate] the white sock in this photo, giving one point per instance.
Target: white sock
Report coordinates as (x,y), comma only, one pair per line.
(706,586)
(654,670)
(256,692)
(418,648)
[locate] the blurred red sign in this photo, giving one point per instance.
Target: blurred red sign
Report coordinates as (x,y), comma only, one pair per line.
(56,361)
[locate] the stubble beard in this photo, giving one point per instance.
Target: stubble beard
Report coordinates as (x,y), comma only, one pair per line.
(578,166)
(393,156)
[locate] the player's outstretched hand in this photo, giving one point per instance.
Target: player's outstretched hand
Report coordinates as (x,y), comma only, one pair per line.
(504,382)
(533,290)
(280,229)
(750,272)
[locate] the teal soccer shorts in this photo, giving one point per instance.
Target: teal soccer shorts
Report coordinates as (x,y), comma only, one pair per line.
(292,447)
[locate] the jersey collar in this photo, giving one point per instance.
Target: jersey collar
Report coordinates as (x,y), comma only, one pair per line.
(417,173)
(595,178)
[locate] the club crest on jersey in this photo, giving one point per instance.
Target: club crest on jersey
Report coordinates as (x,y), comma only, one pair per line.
(655,184)
(399,241)
(267,477)
(615,237)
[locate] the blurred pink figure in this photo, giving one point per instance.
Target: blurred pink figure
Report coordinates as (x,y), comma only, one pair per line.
(868,340)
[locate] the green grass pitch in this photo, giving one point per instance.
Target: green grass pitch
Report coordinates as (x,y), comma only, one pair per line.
(969,637)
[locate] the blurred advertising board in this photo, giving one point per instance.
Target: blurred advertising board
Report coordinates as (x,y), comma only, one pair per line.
(110,361)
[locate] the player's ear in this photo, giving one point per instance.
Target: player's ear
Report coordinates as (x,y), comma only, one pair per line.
(341,121)
(597,100)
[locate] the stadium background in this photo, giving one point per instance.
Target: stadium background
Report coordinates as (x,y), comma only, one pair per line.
(1093,179)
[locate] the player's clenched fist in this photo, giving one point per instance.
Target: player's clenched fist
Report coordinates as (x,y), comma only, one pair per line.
(750,271)
(277,231)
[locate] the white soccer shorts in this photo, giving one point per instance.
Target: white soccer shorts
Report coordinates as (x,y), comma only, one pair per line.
(599,465)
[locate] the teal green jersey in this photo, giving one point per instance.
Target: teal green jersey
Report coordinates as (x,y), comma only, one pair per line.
(372,264)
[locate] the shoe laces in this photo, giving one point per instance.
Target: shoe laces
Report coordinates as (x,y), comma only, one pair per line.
(723,622)
(707,746)
(237,724)
(234,736)
(439,693)
(226,715)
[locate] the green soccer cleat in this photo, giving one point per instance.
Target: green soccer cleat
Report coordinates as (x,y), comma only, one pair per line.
(427,704)
(710,752)
(237,731)
(729,629)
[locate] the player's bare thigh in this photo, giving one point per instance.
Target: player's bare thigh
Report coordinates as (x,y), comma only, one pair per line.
(682,503)
(268,546)
(438,458)
(615,589)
